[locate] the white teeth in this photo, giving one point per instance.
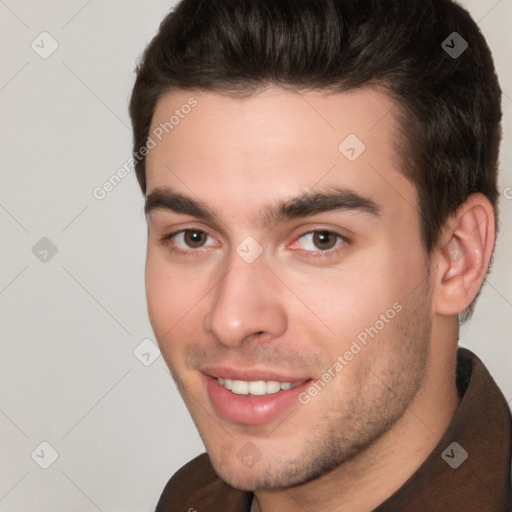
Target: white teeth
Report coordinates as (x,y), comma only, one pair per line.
(257,388)
(240,387)
(272,386)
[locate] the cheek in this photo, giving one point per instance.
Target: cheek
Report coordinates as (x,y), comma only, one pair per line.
(342,302)
(348,302)
(173,297)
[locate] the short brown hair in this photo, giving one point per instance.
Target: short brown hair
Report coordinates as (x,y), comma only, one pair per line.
(450,106)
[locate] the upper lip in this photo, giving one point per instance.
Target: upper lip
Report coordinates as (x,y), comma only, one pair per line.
(250,374)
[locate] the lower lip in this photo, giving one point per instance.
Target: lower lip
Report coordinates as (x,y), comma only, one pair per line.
(250,409)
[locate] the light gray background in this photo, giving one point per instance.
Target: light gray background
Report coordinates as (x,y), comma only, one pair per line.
(70,325)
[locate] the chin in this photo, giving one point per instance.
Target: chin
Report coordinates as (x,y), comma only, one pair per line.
(263,475)
(246,479)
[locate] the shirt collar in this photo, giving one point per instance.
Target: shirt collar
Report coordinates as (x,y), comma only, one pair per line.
(470,467)
(481,428)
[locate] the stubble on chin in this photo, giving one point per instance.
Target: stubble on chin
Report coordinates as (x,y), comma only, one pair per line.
(381,390)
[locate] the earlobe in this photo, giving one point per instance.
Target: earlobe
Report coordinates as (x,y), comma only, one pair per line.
(464,255)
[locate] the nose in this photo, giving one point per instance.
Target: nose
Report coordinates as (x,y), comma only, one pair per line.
(246,301)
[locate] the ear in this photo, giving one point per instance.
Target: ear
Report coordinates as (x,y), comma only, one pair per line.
(463,255)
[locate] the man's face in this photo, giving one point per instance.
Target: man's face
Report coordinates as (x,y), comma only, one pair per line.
(331,297)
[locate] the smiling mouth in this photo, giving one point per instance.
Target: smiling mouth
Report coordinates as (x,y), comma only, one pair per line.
(257,387)
(252,402)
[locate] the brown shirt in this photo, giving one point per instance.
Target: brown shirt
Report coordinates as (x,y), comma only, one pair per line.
(446,481)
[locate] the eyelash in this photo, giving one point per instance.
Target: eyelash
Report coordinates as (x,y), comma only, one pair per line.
(167,242)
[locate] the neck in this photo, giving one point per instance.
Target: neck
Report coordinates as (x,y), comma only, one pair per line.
(365,481)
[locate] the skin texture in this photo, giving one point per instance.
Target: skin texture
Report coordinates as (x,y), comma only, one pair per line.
(360,438)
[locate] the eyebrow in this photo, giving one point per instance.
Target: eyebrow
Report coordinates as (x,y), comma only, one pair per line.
(304,205)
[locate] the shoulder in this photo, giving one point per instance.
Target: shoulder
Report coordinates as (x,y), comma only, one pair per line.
(196,486)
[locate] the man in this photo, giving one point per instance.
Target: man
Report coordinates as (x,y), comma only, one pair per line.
(320,182)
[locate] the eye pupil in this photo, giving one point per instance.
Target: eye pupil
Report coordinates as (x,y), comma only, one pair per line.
(194,238)
(321,238)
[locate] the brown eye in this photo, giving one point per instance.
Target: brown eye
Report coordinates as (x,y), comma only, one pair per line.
(194,239)
(188,241)
(324,240)
(321,242)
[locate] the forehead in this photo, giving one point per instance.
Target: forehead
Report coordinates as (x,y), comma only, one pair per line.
(240,152)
